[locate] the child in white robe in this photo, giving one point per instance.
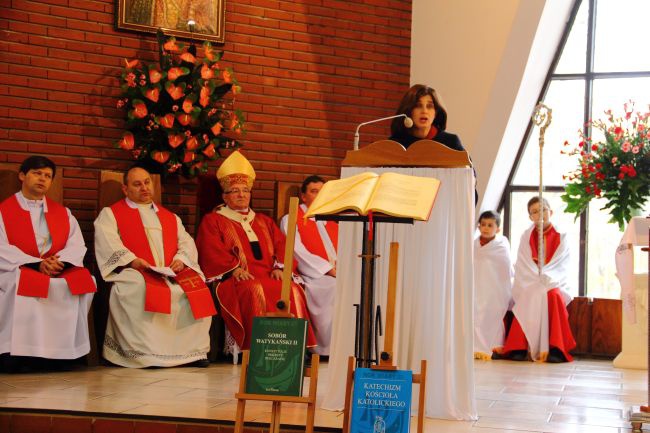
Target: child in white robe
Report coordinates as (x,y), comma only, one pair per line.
(493,274)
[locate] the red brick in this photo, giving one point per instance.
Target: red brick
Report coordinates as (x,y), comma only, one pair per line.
(30,423)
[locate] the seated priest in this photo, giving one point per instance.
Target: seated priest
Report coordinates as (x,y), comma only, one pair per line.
(160,307)
(245,251)
(315,251)
(45,292)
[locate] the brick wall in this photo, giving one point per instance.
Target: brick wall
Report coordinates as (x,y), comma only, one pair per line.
(310,71)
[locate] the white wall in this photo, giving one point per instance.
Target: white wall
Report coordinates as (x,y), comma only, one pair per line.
(488,60)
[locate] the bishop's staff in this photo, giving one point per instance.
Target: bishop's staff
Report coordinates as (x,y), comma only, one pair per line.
(541,117)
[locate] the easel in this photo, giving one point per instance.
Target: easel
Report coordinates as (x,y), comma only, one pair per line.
(283,310)
(386,359)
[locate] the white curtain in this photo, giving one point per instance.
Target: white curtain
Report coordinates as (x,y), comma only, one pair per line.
(434,301)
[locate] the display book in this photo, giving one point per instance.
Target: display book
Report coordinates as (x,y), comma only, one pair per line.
(277,356)
(381,401)
(394,194)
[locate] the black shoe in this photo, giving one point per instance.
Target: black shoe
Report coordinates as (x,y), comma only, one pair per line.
(496,356)
(200,363)
(518,355)
(555,356)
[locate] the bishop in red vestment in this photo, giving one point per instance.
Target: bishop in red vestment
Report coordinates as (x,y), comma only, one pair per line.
(244,250)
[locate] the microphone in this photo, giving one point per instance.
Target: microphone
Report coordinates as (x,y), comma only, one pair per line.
(408,122)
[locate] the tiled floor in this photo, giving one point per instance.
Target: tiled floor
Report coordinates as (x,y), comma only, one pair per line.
(583,396)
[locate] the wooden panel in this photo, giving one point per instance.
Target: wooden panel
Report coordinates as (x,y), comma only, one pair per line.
(283,192)
(580,314)
(606,327)
(10,184)
(423,153)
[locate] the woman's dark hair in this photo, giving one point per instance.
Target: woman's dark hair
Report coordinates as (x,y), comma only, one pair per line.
(410,100)
(35,162)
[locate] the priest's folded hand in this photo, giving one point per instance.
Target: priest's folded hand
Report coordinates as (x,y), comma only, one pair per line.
(51,266)
(240,274)
(276,274)
(177,265)
(139,264)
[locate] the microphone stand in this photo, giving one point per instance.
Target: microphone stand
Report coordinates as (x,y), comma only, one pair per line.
(356,133)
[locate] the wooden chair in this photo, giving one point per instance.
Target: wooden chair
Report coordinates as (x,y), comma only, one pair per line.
(283,192)
(110,191)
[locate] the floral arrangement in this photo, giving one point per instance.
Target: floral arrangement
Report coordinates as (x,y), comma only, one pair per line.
(179,112)
(616,169)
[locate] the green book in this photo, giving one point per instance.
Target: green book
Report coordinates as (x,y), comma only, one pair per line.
(277,356)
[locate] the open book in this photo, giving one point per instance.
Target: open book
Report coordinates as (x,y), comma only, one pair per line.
(393,194)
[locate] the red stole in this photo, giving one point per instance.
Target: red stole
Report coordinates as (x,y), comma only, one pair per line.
(310,236)
(157,292)
(551,243)
(20,233)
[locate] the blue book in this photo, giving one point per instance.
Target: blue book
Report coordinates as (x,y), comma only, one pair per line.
(381,401)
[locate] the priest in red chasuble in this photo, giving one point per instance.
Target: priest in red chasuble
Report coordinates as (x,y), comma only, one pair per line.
(160,307)
(540,330)
(245,251)
(45,292)
(315,252)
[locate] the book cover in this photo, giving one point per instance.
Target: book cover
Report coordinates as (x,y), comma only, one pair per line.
(390,193)
(277,356)
(381,401)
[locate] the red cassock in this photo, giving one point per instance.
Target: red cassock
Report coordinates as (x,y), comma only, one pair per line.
(224,246)
(560,335)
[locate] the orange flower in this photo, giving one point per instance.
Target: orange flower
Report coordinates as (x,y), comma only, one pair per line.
(171,45)
(227,78)
(176,92)
(152,94)
(139,109)
(210,54)
(132,64)
(234,124)
(184,119)
(127,142)
(154,75)
(207,72)
(175,140)
(209,151)
(189,157)
(204,98)
(192,143)
(167,120)
(174,73)
(216,128)
(187,106)
(187,57)
(160,156)
(236,90)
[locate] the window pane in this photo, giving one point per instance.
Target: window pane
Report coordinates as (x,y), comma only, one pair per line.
(621,29)
(519,222)
(612,93)
(566,99)
(574,54)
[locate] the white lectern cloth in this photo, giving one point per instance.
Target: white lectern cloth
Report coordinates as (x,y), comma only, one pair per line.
(434,300)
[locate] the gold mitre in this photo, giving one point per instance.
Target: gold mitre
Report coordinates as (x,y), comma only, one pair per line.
(235,169)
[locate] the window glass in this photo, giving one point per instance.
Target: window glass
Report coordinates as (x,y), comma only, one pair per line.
(520,222)
(574,54)
(566,100)
(621,35)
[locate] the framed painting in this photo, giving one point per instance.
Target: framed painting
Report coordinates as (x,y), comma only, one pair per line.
(190,19)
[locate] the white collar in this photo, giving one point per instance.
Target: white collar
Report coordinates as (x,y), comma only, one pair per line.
(134,205)
(27,204)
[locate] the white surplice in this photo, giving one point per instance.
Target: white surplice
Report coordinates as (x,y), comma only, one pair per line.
(55,327)
(434,300)
(492,293)
(319,287)
(135,337)
(529,290)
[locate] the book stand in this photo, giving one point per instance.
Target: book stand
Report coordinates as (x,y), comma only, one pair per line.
(386,359)
(364,336)
(283,310)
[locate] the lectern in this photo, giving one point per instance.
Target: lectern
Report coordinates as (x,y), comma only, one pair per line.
(434,293)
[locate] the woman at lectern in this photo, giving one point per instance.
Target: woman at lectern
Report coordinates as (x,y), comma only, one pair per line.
(422,104)
(428,120)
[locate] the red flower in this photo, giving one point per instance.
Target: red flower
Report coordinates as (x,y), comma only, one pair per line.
(207,72)
(226,76)
(184,119)
(154,75)
(192,143)
(139,109)
(175,140)
(167,120)
(176,92)
(187,106)
(160,156)
(127,142)
(189,157)
(209,151)
(152,94)
(216,128)
(187,57)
